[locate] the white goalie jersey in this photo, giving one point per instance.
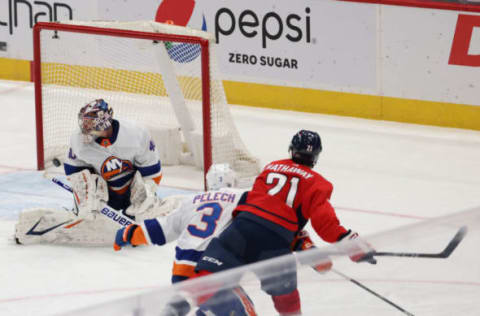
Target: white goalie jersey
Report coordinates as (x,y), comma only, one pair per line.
(193,223)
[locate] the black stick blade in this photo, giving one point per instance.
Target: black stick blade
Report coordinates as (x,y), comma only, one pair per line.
(441,255)
(454,242)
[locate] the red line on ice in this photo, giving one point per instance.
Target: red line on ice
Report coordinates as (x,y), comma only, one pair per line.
(32,297)
(12,169)
(451,282)
(349,209)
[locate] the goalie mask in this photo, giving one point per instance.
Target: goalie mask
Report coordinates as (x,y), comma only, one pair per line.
(220,176)
(94,118)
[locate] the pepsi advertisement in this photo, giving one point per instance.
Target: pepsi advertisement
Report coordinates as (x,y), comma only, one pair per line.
(346,46)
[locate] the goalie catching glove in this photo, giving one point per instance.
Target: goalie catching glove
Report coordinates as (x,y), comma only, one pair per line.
(357,249)
(302,241)
(143,195)
(131,235)
(90,192)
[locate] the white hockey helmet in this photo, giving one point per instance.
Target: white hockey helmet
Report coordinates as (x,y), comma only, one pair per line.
(220,176)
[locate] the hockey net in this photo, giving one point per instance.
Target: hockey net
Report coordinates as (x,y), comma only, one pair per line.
(160,76)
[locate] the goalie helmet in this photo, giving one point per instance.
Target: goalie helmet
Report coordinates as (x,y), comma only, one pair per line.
(95,117)
(305,148)
(220,176)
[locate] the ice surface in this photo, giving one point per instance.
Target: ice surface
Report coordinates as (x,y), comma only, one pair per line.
(405,187)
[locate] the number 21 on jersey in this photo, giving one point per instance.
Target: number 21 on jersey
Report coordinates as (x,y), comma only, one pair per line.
(280,180)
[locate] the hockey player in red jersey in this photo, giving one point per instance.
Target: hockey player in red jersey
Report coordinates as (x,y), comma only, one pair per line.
(284,197)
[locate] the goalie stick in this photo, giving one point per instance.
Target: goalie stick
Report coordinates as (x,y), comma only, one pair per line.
(113,214)
(441,255)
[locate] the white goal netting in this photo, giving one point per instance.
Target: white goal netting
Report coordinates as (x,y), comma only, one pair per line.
(156,83)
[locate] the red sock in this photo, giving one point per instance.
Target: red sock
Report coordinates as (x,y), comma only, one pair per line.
(288,303)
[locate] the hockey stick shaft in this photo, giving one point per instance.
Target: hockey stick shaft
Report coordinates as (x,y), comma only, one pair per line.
(372,292)
(107,211)
(60,183)
(441,255)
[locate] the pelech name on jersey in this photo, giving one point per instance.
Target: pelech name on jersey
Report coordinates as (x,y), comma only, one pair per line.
(211,197)
(289,169)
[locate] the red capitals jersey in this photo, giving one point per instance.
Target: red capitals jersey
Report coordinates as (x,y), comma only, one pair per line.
(289,194)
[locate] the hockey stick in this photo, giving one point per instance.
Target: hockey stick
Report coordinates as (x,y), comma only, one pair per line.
(441,255)
(113,214)
(60,183)
(371,292)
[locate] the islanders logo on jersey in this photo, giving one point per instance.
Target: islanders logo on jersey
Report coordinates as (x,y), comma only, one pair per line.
(113,166)
(179,12)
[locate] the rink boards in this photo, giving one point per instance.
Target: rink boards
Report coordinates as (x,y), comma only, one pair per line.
(406,64)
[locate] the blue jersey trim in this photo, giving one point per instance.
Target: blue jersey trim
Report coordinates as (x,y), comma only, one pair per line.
(155,232)
(189,254)
(69,169)
(178,278)
(150,170)
(121,181)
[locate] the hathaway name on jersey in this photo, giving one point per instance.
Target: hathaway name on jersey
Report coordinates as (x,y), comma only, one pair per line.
(289,169)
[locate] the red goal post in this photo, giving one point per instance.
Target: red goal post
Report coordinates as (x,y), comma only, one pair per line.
(159,75)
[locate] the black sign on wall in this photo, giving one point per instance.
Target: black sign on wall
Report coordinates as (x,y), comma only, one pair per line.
(29,12)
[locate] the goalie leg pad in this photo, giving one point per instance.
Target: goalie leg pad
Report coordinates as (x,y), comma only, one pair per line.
(63,227)
(163,207)
(40,225)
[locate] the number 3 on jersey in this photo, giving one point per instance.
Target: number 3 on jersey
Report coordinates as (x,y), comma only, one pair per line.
(210,219)
(281,181)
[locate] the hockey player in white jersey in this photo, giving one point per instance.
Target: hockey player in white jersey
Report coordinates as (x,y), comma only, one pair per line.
(107,153)
(110,164)
(195,220)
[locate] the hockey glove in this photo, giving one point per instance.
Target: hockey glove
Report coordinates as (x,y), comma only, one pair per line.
(143,195)
(358,249)
(130,235)
(302,241)
(90,192)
